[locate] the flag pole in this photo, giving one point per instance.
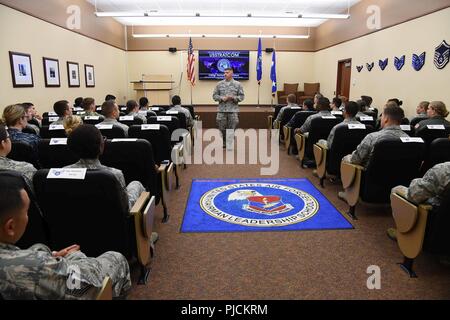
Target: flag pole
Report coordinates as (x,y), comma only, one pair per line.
(191,95)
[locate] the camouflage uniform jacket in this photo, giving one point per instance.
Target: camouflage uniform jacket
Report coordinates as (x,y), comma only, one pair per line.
(116,123)
(346,122)
(232,88)
(364,151)
(189,121)
(27,169)
(280,114)
(34,274)
(307,125)
(133,190)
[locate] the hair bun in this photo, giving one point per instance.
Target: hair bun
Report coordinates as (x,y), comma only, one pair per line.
(400,103)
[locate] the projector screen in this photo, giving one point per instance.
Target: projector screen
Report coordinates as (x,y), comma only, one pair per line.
(212,64)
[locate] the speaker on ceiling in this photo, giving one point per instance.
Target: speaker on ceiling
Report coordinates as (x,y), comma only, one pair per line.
(269,50)
(173,50)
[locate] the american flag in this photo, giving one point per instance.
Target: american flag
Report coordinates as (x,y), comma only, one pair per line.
(190,66)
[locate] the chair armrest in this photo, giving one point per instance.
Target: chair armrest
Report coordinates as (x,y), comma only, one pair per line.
(287,137)
(300,139)
(106,290)
(277,124)
(166,172)
(351,181)
(269,122)
(140,203)
(320,154)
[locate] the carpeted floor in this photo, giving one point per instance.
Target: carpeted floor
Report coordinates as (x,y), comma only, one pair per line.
(283,265)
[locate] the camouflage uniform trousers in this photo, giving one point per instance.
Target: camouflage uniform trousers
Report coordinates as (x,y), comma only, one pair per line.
(227,123)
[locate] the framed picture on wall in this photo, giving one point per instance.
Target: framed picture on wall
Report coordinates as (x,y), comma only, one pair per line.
(21,70)
(89,75)
(51,73)
(73,73)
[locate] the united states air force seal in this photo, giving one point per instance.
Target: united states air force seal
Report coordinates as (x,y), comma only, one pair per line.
(259,204)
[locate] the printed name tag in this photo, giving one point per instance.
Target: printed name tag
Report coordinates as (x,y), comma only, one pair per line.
(337,113)
(73,174)
(126,118)
(124,140)
(405,127)
(296,108)
(356,126)
(409,140)
(143,112)
(164,118)
(436,127)
(172,112)
(99,109)
(53,114)
(91,118)
(155,109)
(78,109)
(372,109)
(81,113)
(104,126)
(150,127)
(123,109)
(58,141)
(366,118)
(53,119)
(56,127)
(328,117)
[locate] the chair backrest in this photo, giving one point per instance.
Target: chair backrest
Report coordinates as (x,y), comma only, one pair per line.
(429,135)
(93,120)
(22,151)
(345,141)
(370,119)
(290,88)
(171,122)
(130,120)
(310,89)
(416,120)
(92,213)
(179,115)
(135,159)
(288,114)
(30,130)
(437,237)
(439,152)
(408,129)
(301,116)
(49,132)
(55,155)
(277,110)
(37,229)
(159,138)
(46,121)
(320,129)
(392,163)
(114,132)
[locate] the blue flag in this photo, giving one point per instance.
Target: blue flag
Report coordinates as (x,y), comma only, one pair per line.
(273,74)
(259,63)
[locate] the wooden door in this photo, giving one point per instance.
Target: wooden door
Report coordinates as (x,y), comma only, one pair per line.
(344,78)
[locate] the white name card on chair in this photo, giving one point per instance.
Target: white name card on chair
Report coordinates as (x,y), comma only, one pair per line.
(150,127)
(81,113)
(436,127)
(172,112)
(155,109)
(328,117)
(78,109)
(104,126)
(53,114)
(405,127)
(296,108)
(143,112)
(58,141)
(126,118)
(337,113)
(371,109)
(356,126)
(53,119)
(73,174)
(56,127)
(99,109)
(366,118)
(124,140)
(164,118)
(92,118)
(123,109)
(410,140)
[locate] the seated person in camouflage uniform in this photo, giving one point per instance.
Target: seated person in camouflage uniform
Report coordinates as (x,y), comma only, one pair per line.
(437,112)
(308,105)
(63,110)
(336,104)
(133,111)
(15,118)
(350,111)
(87,142)
(390,122)
(422,110)
(428,189)
(78,102)
(27,169)
(143,104)
(111,111)
(291,100)
(38,273)
(31,114)
(323,106)
(89,107)
(176,106)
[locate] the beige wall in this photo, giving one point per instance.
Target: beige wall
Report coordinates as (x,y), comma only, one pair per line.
(291,68)
(41,39)
(416,36)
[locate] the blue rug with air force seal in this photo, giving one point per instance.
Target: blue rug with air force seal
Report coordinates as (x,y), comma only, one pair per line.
(259,205)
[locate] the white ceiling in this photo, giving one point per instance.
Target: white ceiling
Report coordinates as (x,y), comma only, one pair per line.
(224,8)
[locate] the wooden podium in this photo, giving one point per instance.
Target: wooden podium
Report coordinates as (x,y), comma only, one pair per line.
(156,88)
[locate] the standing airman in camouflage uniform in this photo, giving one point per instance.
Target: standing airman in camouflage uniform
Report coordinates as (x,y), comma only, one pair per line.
(228,93)
(38,273)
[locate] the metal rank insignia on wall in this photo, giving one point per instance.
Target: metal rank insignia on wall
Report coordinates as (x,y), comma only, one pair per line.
(442,55)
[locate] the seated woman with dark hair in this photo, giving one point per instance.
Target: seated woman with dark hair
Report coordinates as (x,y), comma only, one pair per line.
(437,112)
(15,119)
